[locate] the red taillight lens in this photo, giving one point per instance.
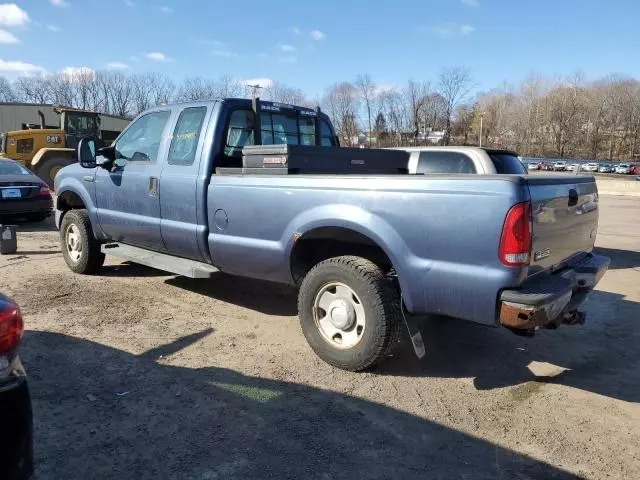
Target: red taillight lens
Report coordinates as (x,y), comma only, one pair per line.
(515,242)
(11,329)
(44,191)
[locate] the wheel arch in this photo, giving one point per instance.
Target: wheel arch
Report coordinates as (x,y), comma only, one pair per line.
(337,231)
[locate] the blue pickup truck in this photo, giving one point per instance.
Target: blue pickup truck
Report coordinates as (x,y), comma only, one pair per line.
(172,192)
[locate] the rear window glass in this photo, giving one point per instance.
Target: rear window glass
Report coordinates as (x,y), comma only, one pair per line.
(11,168)
(506,163)
(444,162)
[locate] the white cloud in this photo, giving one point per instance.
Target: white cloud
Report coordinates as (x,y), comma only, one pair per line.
(263,82)
(129,3)
(286,48)
(117,66)
(11,15)
(60,3)
(471,3)
(19,67)
(76,73)
(317,35)
(450,30)
(296,30)
(53,28)
(156,56)
(8,37)
(225,53)
(166,9)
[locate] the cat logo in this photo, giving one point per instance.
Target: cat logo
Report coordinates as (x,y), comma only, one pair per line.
(53,139)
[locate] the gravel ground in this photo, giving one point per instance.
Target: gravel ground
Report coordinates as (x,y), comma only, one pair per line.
(136,374)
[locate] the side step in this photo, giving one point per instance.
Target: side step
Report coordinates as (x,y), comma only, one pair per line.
(161,261)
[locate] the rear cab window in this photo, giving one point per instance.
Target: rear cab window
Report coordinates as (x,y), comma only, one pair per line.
(278,126)
(507,163)
(433,162)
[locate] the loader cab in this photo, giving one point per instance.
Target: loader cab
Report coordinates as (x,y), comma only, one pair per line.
(78,124)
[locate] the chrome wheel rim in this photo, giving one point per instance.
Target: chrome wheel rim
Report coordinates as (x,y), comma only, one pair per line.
(73,242)
(339,315)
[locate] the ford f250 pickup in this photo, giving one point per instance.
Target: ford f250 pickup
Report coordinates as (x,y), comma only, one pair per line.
(183,190)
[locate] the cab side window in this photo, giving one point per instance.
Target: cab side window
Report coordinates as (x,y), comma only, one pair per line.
(239,132)
(444,162)
(186,135)
(141,141)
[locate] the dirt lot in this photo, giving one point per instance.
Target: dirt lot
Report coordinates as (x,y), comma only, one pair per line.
(136,374)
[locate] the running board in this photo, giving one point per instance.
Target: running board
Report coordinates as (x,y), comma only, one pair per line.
(161,261)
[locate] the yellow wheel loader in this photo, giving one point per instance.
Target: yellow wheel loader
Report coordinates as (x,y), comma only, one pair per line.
(46,150)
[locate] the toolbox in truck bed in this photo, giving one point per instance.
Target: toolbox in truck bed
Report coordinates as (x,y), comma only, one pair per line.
(316,159)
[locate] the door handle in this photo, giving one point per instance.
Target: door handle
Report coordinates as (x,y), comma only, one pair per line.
(87,178)
(153,186)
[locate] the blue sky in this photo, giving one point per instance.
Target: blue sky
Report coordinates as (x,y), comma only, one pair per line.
(310,44)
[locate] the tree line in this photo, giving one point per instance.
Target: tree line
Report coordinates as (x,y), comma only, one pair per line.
(566,117)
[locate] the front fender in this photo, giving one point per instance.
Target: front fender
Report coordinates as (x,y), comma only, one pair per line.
(74,185)
(363,222)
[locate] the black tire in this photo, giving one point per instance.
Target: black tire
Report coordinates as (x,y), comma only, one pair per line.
(90,257)
(379,298)
(47,170)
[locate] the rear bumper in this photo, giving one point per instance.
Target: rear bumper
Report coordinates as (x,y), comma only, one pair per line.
(26,205)
(548,300)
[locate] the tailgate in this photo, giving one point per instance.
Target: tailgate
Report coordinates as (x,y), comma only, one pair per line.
(565,218)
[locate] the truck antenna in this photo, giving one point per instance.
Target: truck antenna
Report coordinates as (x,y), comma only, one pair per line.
(254,90)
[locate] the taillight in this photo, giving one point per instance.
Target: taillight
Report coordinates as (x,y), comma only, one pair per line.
(11,329)
(44,191)
(515,242)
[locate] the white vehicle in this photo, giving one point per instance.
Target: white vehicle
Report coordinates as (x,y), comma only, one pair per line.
(623,168)
(560,166)
(605,168)
(590,167)
(573,167)
(470,160)
(532,166)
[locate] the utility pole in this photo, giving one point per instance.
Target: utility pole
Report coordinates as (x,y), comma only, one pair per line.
(254,90)
(481,117)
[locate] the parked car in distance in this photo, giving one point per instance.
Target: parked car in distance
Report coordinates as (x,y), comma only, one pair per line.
(454,160)
(573,167)
(22,193)
(560,166)
(605,168)
(16,424)
(548,166)
(634,169)
(533,166)
(590,167)
(184,189)
(623,168)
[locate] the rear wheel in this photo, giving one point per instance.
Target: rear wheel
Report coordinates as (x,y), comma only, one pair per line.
(349,312)
(48,169)
(81,251)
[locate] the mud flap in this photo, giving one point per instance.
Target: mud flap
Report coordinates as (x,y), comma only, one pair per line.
(414,333)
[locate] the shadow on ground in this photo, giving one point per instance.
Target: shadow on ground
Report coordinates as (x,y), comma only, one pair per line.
(153,421)
(601,356)
(620,259)
(264,297)
(23,225)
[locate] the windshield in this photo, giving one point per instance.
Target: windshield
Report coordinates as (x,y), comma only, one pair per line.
(13,168)
(507,163)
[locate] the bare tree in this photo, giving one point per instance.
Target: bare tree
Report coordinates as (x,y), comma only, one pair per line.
(454,86)
(367,91)
(341,104)
(6,91)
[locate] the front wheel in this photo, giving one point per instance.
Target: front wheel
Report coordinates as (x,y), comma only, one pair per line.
(349,312)
(80,249)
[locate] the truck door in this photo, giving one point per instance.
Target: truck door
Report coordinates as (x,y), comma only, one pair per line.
(128,196)
(181,199)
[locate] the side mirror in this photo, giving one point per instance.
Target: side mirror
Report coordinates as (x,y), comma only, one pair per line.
(87,153)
